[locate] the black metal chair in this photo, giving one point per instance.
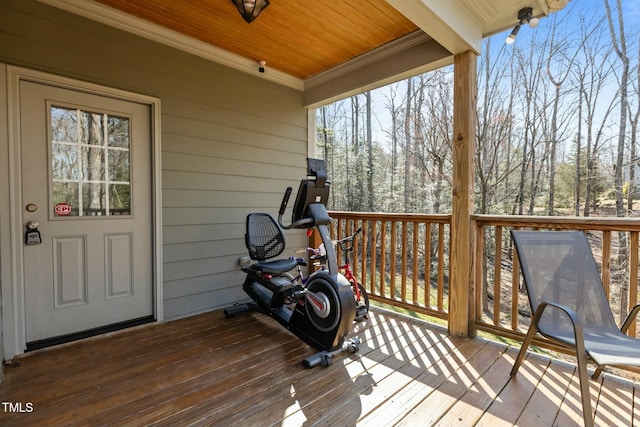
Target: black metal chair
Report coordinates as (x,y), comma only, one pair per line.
(569,305)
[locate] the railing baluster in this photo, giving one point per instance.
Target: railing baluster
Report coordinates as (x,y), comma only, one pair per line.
(515,286)
(393,260)
(497,280)
(633,277)
(403,252)
(441,267)
(356,259)
(606,262)
(427,264)
(383,260)
(374,255)
(414,263)
(479,257)
(341,226)
(365,244)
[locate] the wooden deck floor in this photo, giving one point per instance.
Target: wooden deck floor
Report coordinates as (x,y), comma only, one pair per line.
(247,371)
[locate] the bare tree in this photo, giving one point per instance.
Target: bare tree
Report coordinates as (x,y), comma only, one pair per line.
(433,136)
(394,111)
(407,148)
(619,44)
(591,75)
(370,167)
(494,161)
(634,117)
(618,41)
(532,96)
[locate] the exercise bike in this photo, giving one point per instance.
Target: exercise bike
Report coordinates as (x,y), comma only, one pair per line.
(321,312)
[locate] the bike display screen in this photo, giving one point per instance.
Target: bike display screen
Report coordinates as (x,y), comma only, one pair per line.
(309,193)
(314,189)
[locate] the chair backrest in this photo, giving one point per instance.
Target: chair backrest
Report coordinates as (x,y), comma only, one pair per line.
(264,238)
(558,266)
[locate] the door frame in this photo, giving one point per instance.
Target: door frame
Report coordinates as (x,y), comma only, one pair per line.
(11,239)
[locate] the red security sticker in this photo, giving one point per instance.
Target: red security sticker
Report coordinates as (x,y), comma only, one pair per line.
(62,209)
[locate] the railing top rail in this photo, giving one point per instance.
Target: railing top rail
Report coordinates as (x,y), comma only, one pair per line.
(380,216)
(560,222)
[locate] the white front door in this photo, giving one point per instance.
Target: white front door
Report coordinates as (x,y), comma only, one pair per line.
(86,184)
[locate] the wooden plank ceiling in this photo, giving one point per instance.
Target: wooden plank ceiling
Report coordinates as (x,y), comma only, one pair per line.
(299,38)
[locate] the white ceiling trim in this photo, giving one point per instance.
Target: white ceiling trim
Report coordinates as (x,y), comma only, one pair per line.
(555,5)
(544,6)
(446,21)
(123,21)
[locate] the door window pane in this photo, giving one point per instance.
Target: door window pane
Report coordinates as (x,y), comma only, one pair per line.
(65,162)
(119,165)
(66,192)
(90,163)
(119,199)
(118,132)
(93,199)
(93,164)
(64,125)
(92,129)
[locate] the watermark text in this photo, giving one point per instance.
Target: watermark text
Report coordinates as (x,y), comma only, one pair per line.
(17,407)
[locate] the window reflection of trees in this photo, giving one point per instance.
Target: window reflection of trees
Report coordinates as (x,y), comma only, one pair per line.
(90,162)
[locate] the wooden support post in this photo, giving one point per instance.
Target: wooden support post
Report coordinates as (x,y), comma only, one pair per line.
(461,284)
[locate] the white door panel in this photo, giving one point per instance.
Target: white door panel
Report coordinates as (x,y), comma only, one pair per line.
(86,180)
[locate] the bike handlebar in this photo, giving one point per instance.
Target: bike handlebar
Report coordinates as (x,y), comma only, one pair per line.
(285,200)
(349,239)
(283,207)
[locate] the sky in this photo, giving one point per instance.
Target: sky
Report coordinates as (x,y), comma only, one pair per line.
(567,18)
(565,21)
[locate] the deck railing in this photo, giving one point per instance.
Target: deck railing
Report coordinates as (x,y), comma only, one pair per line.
(501,302)
(397,252)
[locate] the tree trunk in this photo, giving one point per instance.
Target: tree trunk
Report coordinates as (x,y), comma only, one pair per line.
(620,48)
(370,195)
(407,149)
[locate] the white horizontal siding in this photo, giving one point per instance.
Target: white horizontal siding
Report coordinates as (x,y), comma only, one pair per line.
(231,142)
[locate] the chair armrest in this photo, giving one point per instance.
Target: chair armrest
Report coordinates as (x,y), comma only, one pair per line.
(630,318)
(578,330)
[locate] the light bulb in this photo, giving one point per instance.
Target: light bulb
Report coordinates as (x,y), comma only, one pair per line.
(512,36)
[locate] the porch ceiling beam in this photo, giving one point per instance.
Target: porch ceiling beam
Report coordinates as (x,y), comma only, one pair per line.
(447,21)
(406,57)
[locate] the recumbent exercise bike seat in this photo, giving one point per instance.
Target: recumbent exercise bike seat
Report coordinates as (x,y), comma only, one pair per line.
(264,240)
(273,267)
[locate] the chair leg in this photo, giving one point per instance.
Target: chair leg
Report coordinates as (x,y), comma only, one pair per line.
(584,387)
(525,345)
(597,372)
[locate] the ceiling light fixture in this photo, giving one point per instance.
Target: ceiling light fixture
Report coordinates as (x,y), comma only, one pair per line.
(524,15)
(250,9)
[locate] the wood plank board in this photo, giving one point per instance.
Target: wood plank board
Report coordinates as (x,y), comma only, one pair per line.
(208,370)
